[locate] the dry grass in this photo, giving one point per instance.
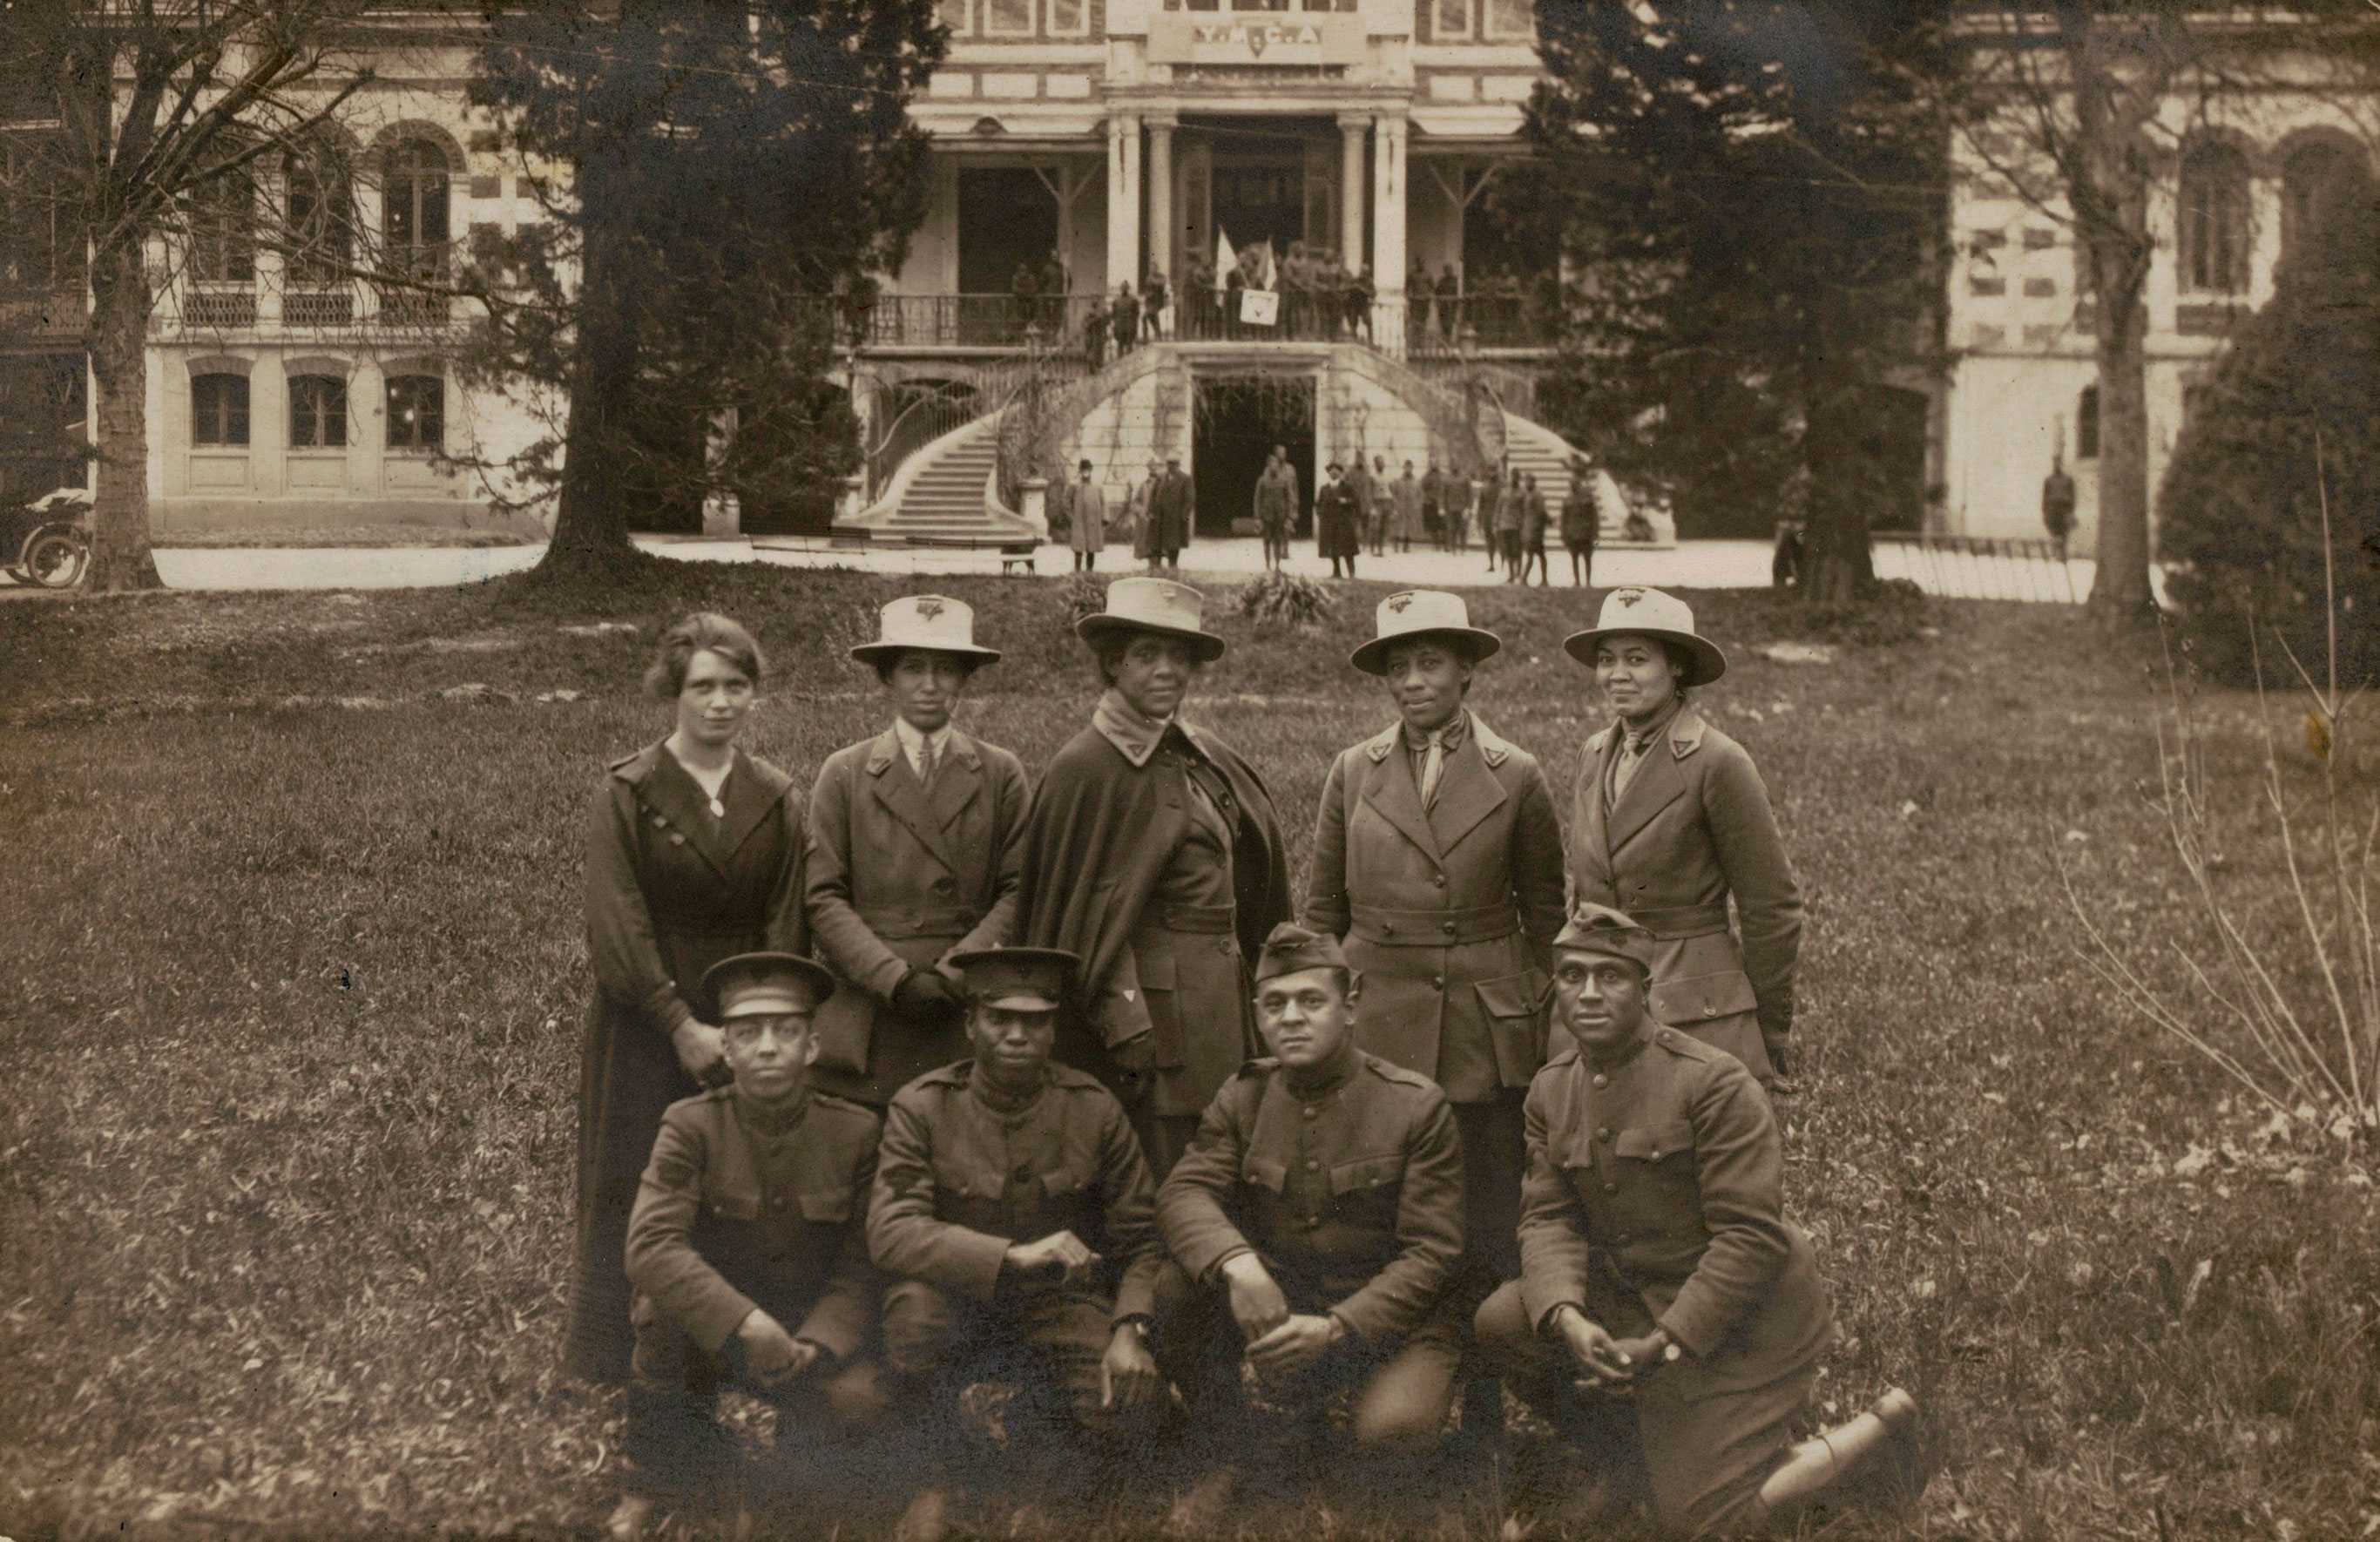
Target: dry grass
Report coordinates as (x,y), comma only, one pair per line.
(291,1038)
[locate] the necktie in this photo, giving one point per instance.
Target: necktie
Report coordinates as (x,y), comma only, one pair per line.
(926,760)
(1433,765)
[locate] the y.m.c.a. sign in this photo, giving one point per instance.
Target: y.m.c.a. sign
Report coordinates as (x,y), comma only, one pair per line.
(1212,38)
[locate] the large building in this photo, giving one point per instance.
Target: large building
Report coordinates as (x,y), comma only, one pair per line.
(1081,145)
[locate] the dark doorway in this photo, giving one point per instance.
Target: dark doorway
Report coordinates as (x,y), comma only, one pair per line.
(1006,218)
(1260,199)
(1238,422)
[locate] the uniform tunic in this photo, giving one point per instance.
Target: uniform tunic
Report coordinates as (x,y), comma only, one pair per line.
(1349,1188)
(1277,500)
(964,1173)
(1337,520)
(1693,831)
(901,877)
(1404,496)
(739,1210)
(1655,1196)
(1449,913)
(671,890)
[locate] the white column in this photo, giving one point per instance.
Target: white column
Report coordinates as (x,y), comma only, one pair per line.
(1123,200)
(1351,188)
(1160,196)
(1389,189)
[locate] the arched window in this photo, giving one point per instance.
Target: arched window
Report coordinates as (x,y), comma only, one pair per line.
(2314,178)
(317,412)
(2215,218)
(414,222)
(2086,424)
(222,229)
(219,409)
(416,412)
(322,221)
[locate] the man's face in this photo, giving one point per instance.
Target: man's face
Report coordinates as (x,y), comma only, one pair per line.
(770,1053)
(1013,1044)
(1426,679)
(1304,1018)
(925,687)
(1599,999)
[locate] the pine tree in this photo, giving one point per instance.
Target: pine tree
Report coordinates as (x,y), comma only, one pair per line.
(1749,194)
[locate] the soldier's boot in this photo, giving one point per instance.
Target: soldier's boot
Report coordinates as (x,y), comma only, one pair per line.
(1813,1465)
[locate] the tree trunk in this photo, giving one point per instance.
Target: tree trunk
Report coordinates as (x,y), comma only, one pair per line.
(2119,593)
(590,528)
(119,366)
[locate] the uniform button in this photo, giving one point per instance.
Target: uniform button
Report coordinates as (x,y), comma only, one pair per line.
(1621,1239)
(1312,1166)
(1709,1011)
(1438,982)
(1602,1080)
(1313,1222)
(1604,1134)
(1310,1110)
(1447,926)
(1388,929)
(1611,1188)
(676,839)
(1439,878)
(778,1202)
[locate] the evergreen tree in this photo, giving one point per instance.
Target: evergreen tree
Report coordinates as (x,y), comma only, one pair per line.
(1750,194)
(729,170)
(2290,421)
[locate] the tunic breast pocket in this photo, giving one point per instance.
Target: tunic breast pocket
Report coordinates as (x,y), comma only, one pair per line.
(1366,1191)
(727,1202)
(1653,1166)
(967,1198)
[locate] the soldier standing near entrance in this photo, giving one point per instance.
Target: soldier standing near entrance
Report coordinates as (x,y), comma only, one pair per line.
(1276,505)
(1582,521)
(1171,505)
(2058,503)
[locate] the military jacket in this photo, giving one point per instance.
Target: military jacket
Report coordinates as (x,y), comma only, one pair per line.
(1667,1168)
(1351,1192)
(958,1181)
(730,1216)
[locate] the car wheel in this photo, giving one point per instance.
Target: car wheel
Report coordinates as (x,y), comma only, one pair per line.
(56,560)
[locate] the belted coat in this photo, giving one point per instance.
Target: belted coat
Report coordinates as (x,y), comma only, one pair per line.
(901,877)
(672,889)
(1693,831)
(1450,915)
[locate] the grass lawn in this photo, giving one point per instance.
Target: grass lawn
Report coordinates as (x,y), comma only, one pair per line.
(296,974)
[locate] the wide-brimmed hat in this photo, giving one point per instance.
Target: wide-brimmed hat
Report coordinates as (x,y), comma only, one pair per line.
(1649,613)
(1419,613)
(1022,979)
(933,622)
(1158,605)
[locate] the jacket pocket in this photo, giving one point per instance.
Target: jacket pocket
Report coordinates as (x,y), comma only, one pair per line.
(1692,999)
(1652,1143)
(1369,1174)
(1516,1028)
(1265,1173)
(732,1204)
(826,1206)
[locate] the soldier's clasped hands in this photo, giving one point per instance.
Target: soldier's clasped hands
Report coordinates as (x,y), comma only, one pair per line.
(1060,1259)
(774,1358)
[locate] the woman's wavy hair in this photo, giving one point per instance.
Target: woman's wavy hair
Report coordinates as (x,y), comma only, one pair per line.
(700,632)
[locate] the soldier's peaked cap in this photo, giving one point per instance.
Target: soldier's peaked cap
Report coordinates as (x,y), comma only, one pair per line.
(1029,980)
(1292,948)
(1598,928)
(765,984)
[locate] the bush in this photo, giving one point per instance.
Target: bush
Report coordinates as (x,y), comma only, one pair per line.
(1284,600)
(2292,418)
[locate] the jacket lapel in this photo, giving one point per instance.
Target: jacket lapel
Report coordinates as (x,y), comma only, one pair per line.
(896,786)
(675,805)
(1593,832)
(1467,791)
(752,793)
(957,782)
(1388,788)
(1660,781)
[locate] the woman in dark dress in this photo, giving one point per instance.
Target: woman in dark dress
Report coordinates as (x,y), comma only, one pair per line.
(693,853)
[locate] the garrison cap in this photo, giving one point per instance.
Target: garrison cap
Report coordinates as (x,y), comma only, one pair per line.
(1598,928)
(1025,979)
(1292,948)
(758,985)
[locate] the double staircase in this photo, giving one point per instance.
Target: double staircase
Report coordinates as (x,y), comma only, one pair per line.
(940,497)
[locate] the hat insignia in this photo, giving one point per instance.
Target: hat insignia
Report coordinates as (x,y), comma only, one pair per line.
(1627,597)
(1398,604)
(928,608)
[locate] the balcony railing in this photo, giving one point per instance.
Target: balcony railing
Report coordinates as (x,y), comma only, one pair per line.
(318,308)
(219,308)
(1092,327)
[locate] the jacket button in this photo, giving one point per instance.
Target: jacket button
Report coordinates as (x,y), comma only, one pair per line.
(1439,878)
(1604,1134)
(778,1202)
(1447,926)
(1611,1188)
(1602,1080)
(1388,929)
(1310,1110)
(676,839)
(1313,1166)
(1709,1011)
(1438,982)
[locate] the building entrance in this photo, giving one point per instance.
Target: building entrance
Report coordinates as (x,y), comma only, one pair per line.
(1236,423)
(1006,222)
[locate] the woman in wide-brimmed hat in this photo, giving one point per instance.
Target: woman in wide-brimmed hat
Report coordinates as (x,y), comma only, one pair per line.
(915,842)
(1438,857)
(1153,854)
(1670,823)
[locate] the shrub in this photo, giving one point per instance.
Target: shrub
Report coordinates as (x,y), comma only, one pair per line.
(1284,600)
(1079,596)
(2291,416)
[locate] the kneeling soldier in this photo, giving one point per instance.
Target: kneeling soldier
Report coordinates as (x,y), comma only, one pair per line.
(1316,1220)
(1656,1265)
(745,1248)
(1012,1202)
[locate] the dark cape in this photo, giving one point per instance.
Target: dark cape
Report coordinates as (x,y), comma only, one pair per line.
(1102,833)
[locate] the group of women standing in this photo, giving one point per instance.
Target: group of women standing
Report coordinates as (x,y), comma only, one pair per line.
(1152,850)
